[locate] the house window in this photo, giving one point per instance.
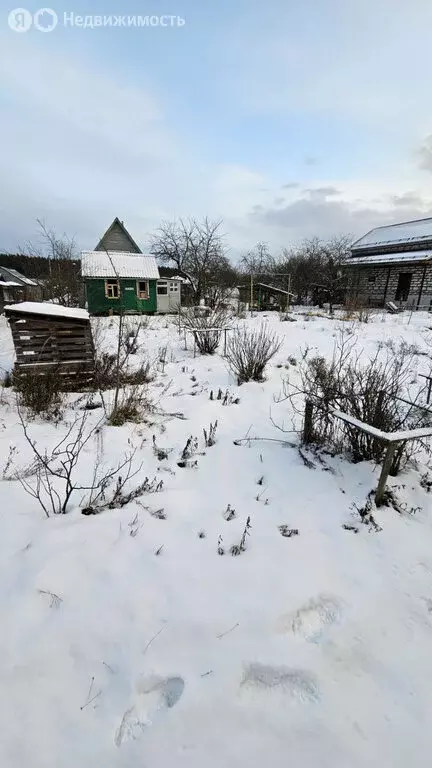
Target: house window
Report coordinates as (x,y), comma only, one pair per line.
(142,289)
(403,286)
(112,289)
(162,289)
(173,287)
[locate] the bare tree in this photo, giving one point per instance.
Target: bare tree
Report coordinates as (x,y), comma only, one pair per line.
(195,247)
(62,284)
(257,261)
(316,268)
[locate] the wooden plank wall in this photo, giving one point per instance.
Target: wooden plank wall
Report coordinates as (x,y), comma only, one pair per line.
(43,343)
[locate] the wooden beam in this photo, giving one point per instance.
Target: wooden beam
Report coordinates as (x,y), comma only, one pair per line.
(308,422)
(385,473)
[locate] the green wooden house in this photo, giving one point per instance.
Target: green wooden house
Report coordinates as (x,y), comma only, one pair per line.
(117,276)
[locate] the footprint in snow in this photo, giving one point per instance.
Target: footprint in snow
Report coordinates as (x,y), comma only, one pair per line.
(298,684)
(312,619)
(154,696)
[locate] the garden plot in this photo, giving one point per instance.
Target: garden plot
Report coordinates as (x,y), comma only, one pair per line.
(170,630)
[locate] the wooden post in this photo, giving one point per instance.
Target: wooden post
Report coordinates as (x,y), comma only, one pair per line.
(429,391)
(388,458)
(307,425)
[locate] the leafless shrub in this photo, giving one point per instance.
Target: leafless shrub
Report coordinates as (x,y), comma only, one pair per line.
(365,513)
(118,497)
(106,372)
(229,513)
(53,481)
(238,549)
(287,532)
(130,340)
(9,463)
(131,404)
(160,453)
(162,356)
(188,452)
(40,394)
(426,482)
(225,397)
(207,329)
(210,436)
(249,351)
(374,393)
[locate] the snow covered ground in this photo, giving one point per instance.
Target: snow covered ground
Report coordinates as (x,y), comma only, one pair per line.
(312,650)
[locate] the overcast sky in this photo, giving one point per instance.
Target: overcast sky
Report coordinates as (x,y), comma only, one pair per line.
(287,119)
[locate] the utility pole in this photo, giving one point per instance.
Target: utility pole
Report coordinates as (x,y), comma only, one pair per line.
(251,293)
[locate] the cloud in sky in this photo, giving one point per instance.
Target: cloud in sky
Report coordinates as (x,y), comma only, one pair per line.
(319,95)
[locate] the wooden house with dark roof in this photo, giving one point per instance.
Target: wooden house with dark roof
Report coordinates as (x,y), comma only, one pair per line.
(393,263)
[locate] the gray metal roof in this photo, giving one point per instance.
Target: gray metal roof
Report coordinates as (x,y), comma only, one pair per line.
(407,232)
(12,275)
(391,258)
(118,264)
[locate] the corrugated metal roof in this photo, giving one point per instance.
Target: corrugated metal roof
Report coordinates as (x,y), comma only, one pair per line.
(19,276)
(117,264)
(15,275)
(391,258)
(405,232)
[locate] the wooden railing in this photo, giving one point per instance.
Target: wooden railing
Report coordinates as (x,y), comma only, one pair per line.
(391,439)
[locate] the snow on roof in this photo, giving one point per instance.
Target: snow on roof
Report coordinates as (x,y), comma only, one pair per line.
(118,264)
(23,278)
(8,283)
(173,279)
(391,258)
(45,308)
(406,232)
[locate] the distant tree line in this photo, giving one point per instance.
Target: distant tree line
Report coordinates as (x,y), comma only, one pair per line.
(312,270)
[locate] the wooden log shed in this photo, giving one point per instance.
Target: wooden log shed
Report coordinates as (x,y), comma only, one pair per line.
(50,338)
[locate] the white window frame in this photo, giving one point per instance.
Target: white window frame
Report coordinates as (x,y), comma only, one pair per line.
(162,284)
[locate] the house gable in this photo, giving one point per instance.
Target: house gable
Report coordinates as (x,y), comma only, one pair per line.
(117,239)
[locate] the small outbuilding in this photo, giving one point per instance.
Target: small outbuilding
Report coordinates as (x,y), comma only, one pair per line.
(14,286)
(265,297)
(48,337)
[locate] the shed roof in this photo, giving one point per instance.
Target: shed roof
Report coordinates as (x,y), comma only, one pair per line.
(46,308)
(16,277)
(118,264)
(407,232)
(390,258)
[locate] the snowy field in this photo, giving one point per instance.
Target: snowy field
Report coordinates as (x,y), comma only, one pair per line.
(127,640)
